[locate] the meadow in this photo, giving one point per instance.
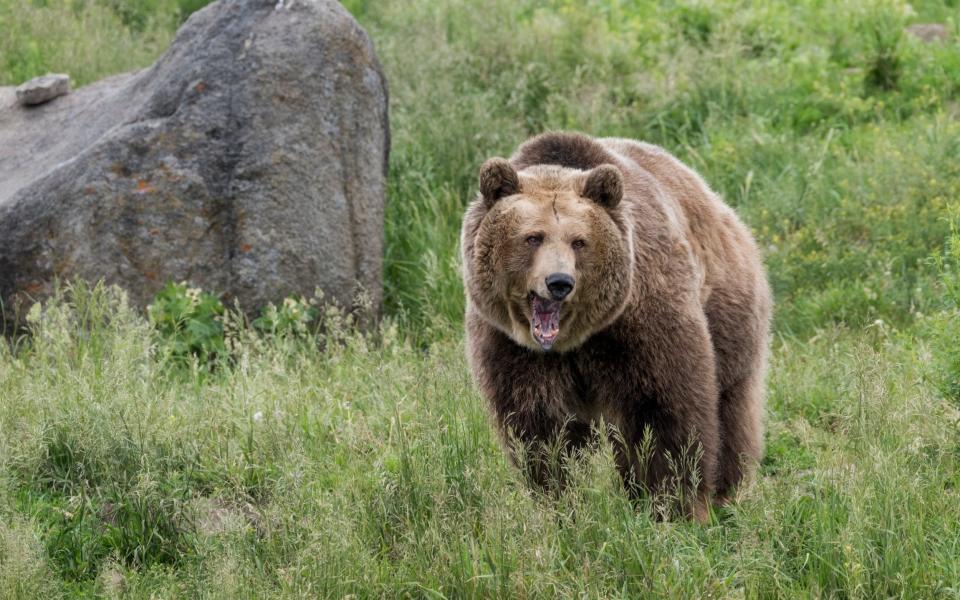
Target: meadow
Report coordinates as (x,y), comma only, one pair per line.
(190,453)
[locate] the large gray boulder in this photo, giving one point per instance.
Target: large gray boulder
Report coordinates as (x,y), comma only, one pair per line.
(249,160)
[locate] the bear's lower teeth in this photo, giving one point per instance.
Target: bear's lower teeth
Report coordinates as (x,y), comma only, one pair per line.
(546,321)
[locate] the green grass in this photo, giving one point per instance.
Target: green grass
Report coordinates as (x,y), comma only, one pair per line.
(845,182)
(369,468)
(339,463)
(87,40)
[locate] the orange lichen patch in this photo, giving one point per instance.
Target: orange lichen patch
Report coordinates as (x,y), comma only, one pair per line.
(89,191)
(144,187)
(246,248)
(151,275)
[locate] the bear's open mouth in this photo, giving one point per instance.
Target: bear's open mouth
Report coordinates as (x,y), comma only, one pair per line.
(545,322)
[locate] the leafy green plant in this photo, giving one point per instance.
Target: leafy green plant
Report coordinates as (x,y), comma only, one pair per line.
(190,324)
(293,317)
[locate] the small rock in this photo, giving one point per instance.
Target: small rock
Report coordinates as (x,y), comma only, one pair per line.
(929,32)
(43,89)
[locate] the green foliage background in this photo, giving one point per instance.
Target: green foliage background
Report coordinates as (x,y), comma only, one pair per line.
(193,454)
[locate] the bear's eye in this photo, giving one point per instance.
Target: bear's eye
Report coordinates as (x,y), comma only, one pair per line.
(577,244)
(535,240)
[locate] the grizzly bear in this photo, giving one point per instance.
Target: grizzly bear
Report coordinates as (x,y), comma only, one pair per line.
(605,280)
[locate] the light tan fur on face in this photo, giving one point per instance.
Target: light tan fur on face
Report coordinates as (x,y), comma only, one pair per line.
(560,219)
(506,267)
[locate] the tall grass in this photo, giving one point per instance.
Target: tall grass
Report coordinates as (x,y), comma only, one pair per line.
(368,467)
(87,40)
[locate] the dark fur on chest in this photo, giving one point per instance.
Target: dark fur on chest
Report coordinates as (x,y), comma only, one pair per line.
(602,378)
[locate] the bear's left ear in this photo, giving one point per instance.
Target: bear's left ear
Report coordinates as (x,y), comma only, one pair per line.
(604,185)
(498,179)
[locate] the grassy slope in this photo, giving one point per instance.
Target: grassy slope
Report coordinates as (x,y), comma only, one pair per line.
(370,468)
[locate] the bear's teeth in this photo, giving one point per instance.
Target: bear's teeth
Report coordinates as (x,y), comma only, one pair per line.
(545,321)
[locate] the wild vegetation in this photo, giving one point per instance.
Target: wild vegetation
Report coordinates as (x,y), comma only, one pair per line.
(186,452)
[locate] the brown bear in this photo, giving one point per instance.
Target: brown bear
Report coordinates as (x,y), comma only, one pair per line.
(605,280)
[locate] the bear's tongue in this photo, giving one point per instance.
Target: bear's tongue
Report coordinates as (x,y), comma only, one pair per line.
(546,321)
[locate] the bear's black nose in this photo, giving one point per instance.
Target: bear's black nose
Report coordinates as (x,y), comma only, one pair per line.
(560,285)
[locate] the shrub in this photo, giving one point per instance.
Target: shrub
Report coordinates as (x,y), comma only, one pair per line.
(190,324)
(293,317)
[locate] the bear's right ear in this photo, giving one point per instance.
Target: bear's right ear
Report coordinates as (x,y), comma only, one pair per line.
(498,179)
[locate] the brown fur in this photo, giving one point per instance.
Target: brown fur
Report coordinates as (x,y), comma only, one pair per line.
(665,331)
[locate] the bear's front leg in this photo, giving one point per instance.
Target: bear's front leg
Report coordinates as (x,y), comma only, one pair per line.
(666,405)
(528,394)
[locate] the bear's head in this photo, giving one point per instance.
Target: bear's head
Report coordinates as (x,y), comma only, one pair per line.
(548,253)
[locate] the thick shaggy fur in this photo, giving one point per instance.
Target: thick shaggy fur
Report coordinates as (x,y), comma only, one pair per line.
(665,333)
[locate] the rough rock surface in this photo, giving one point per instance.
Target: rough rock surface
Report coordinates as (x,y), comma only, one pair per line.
(43,89)
(250,160)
